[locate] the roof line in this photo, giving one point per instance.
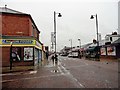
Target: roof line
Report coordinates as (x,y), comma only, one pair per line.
(12,10)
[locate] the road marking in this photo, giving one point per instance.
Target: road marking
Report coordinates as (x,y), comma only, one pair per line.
(86,64)
(65,59)
(78,82)
(77,66)
(71,76)
(60,70)
(64,68)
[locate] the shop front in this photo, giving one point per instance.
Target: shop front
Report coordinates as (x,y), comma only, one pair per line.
(110,51)
(21,52)
(92,52)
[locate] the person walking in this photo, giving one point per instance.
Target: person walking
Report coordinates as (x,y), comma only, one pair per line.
(52,59)
(79,54)
(56,59)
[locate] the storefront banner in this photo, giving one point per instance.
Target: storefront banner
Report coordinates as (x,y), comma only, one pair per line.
(38,45)
(111,51)
(103,51)
(20,43)
(0,41)
(16,41)
(28,54)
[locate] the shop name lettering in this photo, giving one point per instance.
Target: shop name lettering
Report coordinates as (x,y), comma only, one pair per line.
(17,41)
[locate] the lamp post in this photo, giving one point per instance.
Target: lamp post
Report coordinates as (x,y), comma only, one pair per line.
(79,42)
(79,51)
(59,15)
(11,55)
(92,17)
(71,44)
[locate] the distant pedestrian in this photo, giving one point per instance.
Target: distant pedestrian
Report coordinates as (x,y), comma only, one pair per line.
(79,54)
(47,55)
(52,59)
(56,59)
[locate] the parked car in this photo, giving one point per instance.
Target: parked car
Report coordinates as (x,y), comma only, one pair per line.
(73,54)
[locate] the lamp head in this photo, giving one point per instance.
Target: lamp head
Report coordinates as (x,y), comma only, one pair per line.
(78,39)
(70,39)
(92,17)
(59,15)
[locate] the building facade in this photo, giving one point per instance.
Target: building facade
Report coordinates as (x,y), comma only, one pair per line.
(19,39)
(111,46)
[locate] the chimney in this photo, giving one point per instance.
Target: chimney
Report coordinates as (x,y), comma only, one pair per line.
(5,6)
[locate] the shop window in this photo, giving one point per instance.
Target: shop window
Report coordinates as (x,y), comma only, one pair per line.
(111,51)
(28,54)
(36,54)
(16,54)
(40,55)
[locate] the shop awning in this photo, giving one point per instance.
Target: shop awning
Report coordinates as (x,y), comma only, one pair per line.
(94,48)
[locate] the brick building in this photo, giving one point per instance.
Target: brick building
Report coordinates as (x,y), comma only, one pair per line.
(20,39)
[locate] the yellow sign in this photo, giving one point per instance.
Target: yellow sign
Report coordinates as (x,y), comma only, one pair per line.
(0,41)
(20,43)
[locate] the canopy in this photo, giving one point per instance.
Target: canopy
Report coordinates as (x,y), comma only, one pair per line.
(94,48)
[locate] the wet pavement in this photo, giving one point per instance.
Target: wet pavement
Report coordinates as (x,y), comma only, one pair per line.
(69,73)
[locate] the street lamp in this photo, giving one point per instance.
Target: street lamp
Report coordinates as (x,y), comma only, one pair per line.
(11,43)
(92,17)
(79,42)
(71,44)
(79,51)
(59,15)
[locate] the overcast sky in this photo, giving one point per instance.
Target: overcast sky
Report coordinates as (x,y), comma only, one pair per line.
(75,21)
